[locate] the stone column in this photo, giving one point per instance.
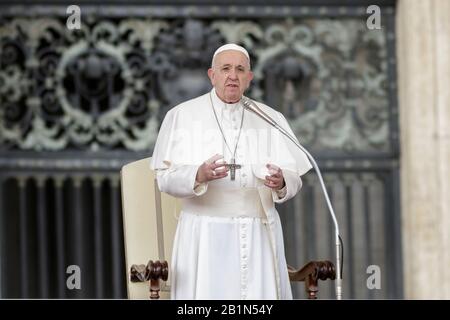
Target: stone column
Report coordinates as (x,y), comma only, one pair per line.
(423,54)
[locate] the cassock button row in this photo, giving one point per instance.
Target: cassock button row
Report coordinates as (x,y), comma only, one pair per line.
(243,254)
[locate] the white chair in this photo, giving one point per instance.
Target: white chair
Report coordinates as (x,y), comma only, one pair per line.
(149,223)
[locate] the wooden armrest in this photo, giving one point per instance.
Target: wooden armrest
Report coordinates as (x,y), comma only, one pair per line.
(153,272)
(310,273)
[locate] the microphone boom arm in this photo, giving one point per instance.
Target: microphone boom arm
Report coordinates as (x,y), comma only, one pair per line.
(251,106)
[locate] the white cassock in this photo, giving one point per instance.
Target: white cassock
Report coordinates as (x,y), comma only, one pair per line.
(229,241)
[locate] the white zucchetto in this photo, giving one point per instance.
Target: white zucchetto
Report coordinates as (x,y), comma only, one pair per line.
(231,46)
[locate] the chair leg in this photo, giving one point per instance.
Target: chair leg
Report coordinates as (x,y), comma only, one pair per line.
(153,272)
(311,287)
(154,289)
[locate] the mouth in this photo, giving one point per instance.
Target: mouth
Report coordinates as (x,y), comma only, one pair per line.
(232,85)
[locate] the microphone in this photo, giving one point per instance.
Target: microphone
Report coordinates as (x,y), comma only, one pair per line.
(250,105)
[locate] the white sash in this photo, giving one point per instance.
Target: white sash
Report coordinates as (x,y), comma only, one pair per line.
(242,202)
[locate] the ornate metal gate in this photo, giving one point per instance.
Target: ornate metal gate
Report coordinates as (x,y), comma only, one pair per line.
(75,105)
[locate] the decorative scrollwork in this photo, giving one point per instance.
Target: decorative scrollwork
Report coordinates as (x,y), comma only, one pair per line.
(92,90)
(182,54)
(328,78)
(108,85)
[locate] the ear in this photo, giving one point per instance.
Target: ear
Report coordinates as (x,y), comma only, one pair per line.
(211,75)
(250,78)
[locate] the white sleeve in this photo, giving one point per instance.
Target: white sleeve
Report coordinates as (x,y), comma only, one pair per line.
(293,185)
(179,181)
(279,194)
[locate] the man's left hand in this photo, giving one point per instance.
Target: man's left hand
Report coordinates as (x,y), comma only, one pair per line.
(276,178)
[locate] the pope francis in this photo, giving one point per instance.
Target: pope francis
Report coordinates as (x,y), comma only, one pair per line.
(229,167)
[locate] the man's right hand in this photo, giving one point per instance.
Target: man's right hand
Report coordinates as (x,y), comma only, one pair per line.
(211,170)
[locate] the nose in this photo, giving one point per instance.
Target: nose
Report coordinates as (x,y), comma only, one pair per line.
(232,74)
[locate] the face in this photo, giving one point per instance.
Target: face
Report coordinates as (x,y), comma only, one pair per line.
(230,75)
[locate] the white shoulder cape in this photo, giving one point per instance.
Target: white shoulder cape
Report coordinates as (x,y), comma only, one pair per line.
(189,135)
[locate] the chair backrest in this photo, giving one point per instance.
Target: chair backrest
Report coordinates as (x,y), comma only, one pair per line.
(149,222)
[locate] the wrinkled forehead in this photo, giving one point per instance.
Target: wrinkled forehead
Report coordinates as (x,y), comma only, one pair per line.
(232,57)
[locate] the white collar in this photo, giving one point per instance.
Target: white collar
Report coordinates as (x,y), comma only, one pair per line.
(219,104)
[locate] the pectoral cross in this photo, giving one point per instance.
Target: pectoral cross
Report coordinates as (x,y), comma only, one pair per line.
(233,166)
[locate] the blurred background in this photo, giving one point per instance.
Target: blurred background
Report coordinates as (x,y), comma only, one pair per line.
(365,90)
